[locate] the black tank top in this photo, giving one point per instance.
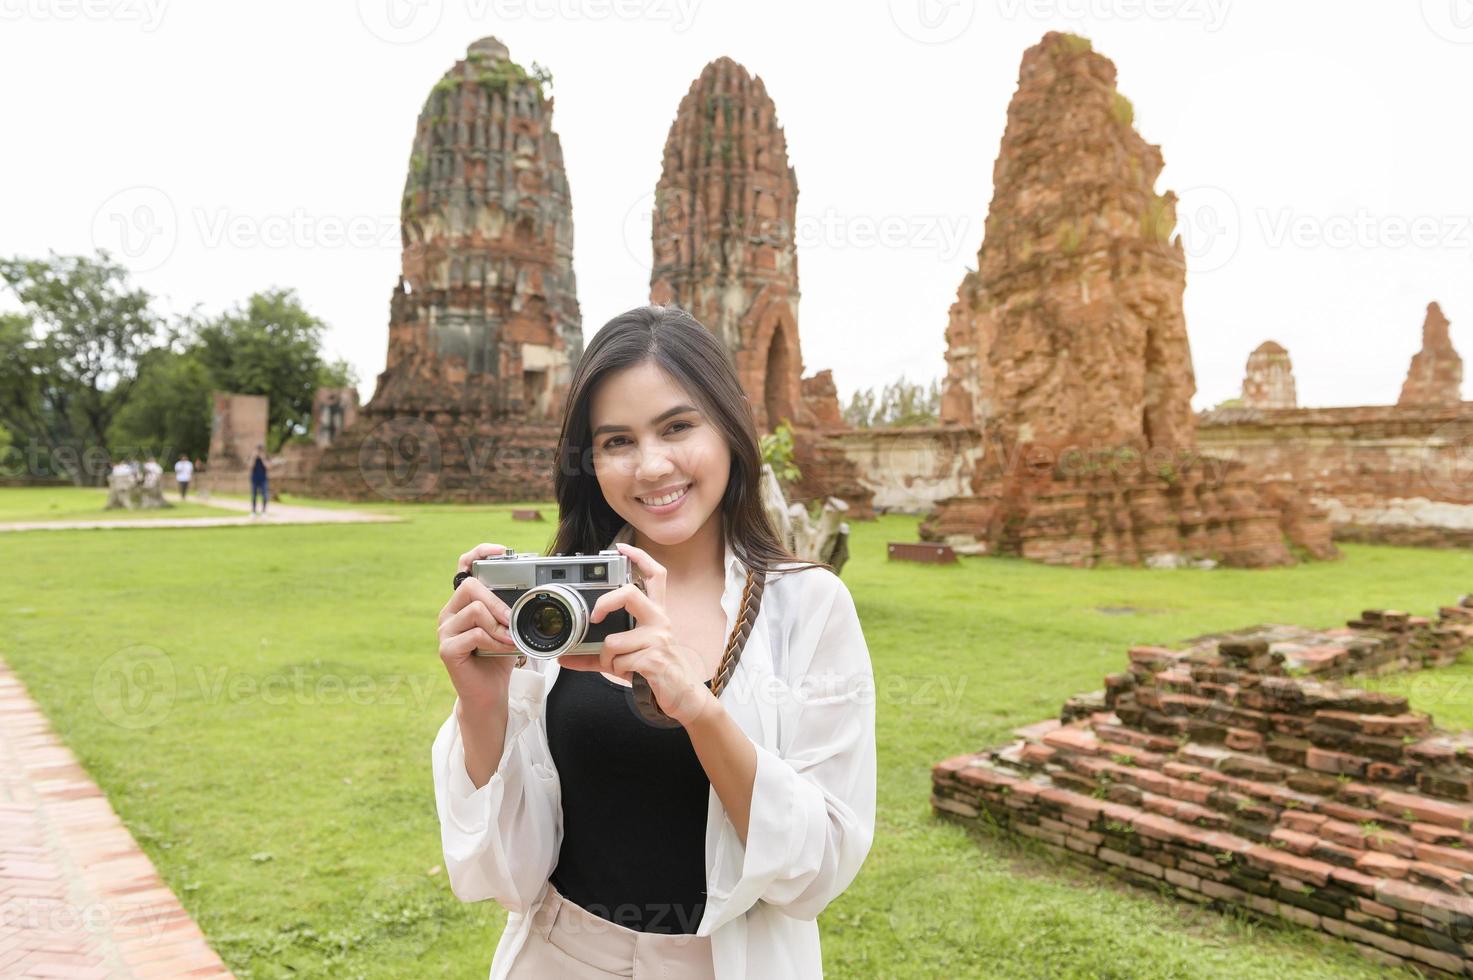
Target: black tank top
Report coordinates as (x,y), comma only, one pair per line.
(634,809)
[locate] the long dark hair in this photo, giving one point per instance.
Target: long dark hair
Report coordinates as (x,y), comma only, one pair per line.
(690,354)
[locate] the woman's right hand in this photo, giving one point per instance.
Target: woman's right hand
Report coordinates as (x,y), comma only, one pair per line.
(475,619)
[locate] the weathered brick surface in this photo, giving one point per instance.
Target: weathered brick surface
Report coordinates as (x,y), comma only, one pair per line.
(1146,779)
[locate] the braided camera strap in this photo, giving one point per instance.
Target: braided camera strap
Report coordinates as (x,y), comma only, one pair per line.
(643,697)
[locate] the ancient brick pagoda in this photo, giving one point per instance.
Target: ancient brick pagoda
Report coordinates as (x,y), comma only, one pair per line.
(724,250)
(1068,354)
(1268,381)
(1235,771)
(1436,373)
(484,325)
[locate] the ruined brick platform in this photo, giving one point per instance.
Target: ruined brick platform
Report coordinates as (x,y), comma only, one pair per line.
(1236,772)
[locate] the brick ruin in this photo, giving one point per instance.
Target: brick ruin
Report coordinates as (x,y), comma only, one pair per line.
(724,222)
(1236,771)
(484,324)
(238,424)
(1436,373)
(1269,379)
(1068,353)
(1389,474)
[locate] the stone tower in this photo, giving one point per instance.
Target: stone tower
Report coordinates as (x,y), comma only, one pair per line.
(724,251)
(1071,330)
(1067,353)
(725,210)
(1436,374)
(484,326)
(1269,381)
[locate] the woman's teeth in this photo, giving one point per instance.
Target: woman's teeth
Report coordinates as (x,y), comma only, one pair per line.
(668,498)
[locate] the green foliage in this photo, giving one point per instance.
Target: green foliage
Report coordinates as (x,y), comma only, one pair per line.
(777,452)
(169,416)
(1157,223)
(1122,110)
(898,404)
(271,346)
(1076,44)
(69,362)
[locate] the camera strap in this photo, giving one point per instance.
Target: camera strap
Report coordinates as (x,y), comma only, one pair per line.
(643,697)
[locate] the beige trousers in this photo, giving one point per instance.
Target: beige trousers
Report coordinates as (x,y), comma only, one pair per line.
(567,941)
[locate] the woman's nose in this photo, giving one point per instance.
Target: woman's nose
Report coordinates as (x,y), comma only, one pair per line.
(653,463)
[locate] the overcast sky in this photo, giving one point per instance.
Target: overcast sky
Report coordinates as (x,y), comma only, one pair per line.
(1322,151)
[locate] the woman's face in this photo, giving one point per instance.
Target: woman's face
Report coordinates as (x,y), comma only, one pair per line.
(662,465)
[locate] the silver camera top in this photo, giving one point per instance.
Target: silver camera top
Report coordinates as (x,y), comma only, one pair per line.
(608,568)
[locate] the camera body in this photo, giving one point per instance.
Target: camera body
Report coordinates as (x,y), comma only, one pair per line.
(551,596)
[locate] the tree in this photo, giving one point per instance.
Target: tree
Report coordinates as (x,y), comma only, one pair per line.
(271,346)
(69,363)
(170,414)
(898,404)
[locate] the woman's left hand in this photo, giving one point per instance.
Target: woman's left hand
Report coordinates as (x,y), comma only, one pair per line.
(674,672)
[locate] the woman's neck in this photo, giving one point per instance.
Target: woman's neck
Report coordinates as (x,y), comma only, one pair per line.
(699,555)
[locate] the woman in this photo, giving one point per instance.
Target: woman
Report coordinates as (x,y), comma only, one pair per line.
(706,849)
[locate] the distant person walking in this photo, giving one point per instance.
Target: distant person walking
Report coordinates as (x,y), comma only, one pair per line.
(258,480)
(183,473)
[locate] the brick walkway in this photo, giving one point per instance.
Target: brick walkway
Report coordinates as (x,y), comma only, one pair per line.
(276,513)
(78,899)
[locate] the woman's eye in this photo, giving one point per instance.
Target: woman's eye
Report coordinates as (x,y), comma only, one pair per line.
(678,426)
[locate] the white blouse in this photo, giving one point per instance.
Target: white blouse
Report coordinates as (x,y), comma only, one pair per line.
(803,692)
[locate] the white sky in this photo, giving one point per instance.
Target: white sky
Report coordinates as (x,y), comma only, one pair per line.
(1322,150)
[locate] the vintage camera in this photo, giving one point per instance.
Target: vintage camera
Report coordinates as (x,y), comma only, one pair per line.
(551,597)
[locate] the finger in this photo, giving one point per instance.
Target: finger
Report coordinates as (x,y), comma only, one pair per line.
(467,643)
(653,571)
(580,661)
(628,597)
(628,641)
(474,590)
(480,551)
(474,616)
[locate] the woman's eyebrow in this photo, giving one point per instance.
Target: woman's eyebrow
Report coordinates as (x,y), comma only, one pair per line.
(677,410)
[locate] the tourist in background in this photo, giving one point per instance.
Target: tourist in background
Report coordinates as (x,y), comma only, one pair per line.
(258,480)
(183,473)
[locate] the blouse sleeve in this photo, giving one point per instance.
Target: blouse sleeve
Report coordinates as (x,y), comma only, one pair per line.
(501,840)
(813,801)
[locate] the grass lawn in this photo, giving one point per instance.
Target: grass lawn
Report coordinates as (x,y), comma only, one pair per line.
(258,703)
(87,504)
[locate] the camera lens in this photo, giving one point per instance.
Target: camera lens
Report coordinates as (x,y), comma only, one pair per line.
(548,620)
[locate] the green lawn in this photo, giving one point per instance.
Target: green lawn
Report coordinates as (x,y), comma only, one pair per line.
(87,504)
(259,705)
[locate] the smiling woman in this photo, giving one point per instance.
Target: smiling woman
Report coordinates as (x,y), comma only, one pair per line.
(707,844)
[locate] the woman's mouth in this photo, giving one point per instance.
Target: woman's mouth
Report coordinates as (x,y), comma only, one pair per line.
(664,501)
